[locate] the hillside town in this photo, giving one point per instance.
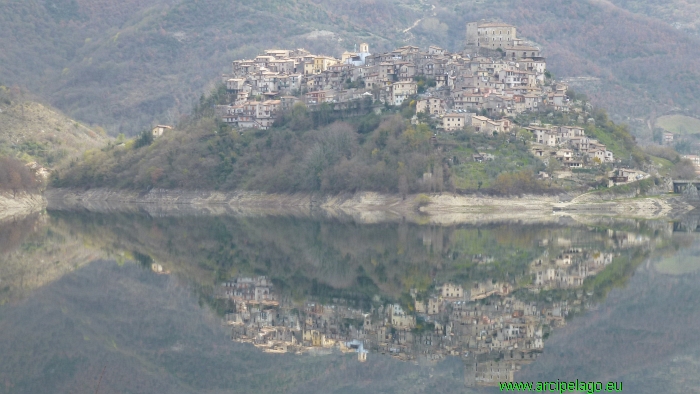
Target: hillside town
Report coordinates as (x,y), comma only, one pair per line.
(572,149)
(495,78)
(496,82)
(487,323)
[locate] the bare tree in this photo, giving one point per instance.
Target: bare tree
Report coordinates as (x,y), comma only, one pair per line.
(15,176)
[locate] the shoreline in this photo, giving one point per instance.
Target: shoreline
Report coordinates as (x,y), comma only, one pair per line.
(368,207)
(22,204)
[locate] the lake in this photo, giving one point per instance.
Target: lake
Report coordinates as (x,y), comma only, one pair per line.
(132,302)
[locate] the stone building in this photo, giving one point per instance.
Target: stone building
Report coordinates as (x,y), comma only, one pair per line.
(491,35)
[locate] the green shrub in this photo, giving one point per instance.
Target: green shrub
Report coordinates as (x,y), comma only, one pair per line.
(422,200)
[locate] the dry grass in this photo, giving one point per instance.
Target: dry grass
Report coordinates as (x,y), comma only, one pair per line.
(679,124)
(34,132)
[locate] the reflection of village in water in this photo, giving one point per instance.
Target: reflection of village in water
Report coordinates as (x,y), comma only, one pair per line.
(489,324)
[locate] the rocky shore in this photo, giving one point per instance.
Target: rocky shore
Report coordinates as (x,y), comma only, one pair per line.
(443,208)
(20,204)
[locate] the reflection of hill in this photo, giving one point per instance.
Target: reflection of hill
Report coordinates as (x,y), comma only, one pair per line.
(153,337)
(684,261)
(293,251)
(34,252)
(390,257)
(332,282)
(497,327)
(13,233)
(644,335)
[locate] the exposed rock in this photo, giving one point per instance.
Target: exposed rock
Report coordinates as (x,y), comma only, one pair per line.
(366,207)
(691,193)
(21,204)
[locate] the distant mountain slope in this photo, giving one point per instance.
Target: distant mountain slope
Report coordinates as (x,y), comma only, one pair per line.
(126,65)
(681,14)
(154,59)
(34,132)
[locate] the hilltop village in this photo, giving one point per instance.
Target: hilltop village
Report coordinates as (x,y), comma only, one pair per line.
(492,327)
(489,119)
(495,78)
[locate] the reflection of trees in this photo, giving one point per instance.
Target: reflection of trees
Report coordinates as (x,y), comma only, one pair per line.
(326,258)
(395,257)
(34,251)
(495,335)
(13,233)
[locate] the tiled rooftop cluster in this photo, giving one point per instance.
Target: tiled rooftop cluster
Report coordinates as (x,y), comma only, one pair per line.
(500,76)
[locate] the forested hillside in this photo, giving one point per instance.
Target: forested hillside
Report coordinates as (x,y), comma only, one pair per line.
(130,64)
(325,151)
(309,152)
(681,14)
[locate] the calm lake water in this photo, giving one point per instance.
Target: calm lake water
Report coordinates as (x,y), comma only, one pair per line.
(129,303)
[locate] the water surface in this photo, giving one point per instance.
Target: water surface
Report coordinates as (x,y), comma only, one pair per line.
(274,304)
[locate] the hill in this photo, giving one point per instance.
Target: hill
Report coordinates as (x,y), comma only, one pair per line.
(31,131)
(324,151)
(130,64)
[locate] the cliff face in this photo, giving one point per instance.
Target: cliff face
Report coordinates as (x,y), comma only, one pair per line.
(20,204)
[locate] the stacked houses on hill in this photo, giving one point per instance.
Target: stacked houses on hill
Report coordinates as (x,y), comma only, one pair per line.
(498,75)
(569,145)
